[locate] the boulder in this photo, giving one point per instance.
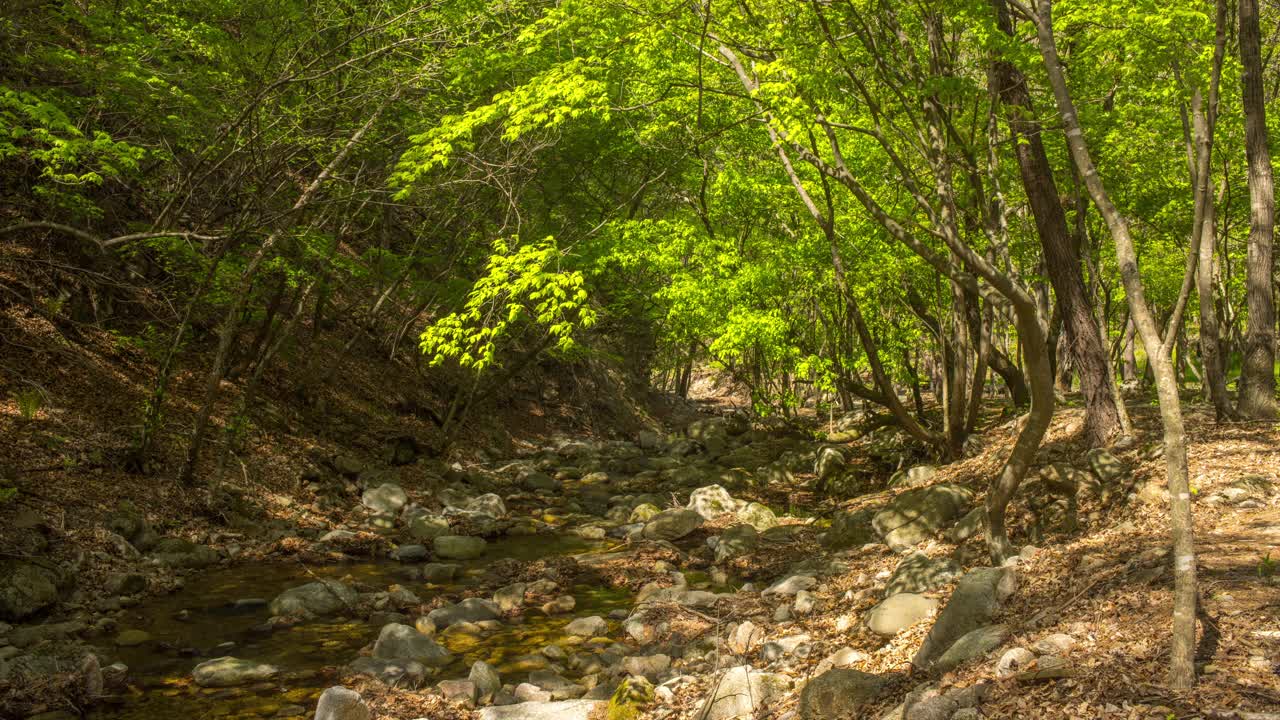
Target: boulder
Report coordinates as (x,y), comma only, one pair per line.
(712,501)
(339,703)
(898,612)
(324,597)
(917,573)
(631,695)
(972,645)
(458,691)
(916,515)
(488,504)
(179,553)
(644,512)
(711,433)
(424,526)
(439,572)
(387,498)
(735,541)
(839,693)
(1106,467)
(402,642)
(741,693)
(560,710)
(411,552)
(510,598)
(829,463)
(471,610)
(758,516)
(850,529)
(397,672)
(26,588)
(458,547)
(973,523)
(790,585)
(976,598)
(647,666)
(672,524)
(486,680)
(228,671)
(745,637)
(913,477)
(1013,661)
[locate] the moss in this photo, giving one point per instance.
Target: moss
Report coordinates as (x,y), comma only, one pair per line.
(633,694)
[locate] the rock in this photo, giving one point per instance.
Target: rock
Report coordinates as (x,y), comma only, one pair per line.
(26,588)
(829,463)
(626,701)
(458,691)
(458,547)
(540,482)
(423,526)
(228,671)
(562,710)
(348,465)
(133,638)
(324,597)
(528,692)
(648,666)
(397,672)
(1062,479)
(1013,661)
(439,572)
(672,524)
(1105,466)
(488,504)
(486,681)
(640,631)
(842,658)
(643,512)
(510,598)
(1046,667)
(469,610)
(916,515)
(179,553)
(791,645)
(562,604)
(805,603)
(411,553)
(919,573)
(402,642)
(711,433)
(126,583)
(588,627)
(790,585)
(839,693)
(339,703)
(913,477)
(740,693)
(971,525)
(976,598)
(735,541)
(850,530)
(386,498)
(972,645)
(1055,644)
(712,501)
(898,612)
(758,516)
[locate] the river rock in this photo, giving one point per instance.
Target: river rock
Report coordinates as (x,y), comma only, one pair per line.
(916,515)
(740,693)
(133,638)
(471,610)
(976,598)
(839,693)
(510,598)
(26,588)
(324,597)
(387,498)
(458,691)
(898,612)
(397,672)
(973,523)
(589,627)
(179,553)
(339,703)
(487,504)
(561,710)
(486,680)
(458,547)
(562,604)
(711,433)
(672,524)
(1013,661)
(411,553)
(229,671)
(425,526)
(397,641)
(643,513)
(648,666)
(917,573)
(439,572)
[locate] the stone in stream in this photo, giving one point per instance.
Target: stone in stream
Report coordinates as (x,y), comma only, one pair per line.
(589,627)
(324,597)
(510,598)
(404,642)
(424,526)
(179,553)
(562,604)
(387,498)
(672,524)
(229,671)
(561,710)
(528,692)
(486,681)
(439,572)
(397,672)
(975,600)
(411,553)
(339,703)
(898,612)
(458,547)
(487,504)
(469,610)
(741,692)
(644,512)
(839,693)
(541,482)
(133,638)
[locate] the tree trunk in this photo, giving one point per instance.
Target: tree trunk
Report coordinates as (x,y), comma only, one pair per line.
(1182,652)
(1062,257)
(1257,376)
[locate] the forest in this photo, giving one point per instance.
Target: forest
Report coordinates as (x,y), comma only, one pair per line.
(620,359)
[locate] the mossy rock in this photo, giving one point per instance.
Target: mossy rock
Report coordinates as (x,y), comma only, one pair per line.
(631,696)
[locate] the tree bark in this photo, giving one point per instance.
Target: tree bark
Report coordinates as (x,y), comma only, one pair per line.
(1257,377)
(1182,651)
(1062,257)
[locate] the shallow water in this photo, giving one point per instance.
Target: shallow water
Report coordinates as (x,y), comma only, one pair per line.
(160,673)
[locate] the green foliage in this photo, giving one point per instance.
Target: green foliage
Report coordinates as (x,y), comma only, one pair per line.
(522,287)
(1267,567)
(29,402)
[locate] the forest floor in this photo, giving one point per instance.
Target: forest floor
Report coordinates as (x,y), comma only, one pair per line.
(1106,585)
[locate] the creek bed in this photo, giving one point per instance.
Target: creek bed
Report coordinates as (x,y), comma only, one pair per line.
(210,610)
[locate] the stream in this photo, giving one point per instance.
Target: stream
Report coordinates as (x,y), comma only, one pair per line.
(220,612)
